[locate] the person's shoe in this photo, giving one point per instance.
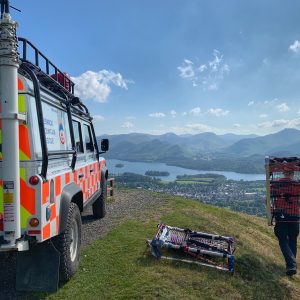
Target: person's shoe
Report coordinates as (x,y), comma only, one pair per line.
(291,272)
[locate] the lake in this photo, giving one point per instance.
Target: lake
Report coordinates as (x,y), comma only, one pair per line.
(142,167)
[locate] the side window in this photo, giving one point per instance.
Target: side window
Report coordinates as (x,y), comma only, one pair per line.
(77,136)
(88,138)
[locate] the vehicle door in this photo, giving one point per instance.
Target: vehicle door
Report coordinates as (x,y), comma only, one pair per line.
(92,167)
(80,174)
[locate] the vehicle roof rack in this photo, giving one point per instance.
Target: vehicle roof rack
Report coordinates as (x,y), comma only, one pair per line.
(56,82)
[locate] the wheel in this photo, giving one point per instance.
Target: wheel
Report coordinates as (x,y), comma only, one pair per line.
(68,244)
(99,210)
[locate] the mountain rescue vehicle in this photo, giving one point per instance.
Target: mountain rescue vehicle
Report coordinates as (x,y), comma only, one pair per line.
(50,165)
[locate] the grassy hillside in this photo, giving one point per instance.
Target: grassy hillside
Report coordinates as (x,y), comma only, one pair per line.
(119,265)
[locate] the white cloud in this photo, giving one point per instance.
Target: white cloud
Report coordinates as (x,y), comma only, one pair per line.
(283,107)
(127,125)
(191,129)
(271,102)
(250,103)
(197,128)
(97,85)
(184,113)
(236,125)
(207,75)
(186,69)
(293,123)
(263,116)
(196,111)
(215,63)
(275,123)
(157,115)
(295,47)
(202,68)
(212,87)
(218,112)
(98,118)
(173,113)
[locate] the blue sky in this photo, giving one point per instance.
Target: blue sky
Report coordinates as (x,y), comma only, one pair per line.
(187,66)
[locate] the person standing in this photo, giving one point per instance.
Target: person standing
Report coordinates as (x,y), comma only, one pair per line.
(286,193)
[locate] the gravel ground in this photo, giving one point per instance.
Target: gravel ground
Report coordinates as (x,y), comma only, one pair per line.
(124,205)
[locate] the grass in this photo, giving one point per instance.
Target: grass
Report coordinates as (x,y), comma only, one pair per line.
(119,265)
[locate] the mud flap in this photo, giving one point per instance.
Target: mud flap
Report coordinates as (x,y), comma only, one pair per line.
(38,268)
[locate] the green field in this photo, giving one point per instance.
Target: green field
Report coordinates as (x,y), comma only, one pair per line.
(119,265)
(191,182)
(194,180)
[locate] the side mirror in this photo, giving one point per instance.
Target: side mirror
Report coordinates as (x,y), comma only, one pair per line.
(104,145)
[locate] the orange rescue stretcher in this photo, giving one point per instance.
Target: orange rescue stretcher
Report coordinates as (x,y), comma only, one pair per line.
(189,246)
(283,189)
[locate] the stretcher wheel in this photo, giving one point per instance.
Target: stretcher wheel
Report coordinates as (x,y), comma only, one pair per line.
(99,209)
(68,244)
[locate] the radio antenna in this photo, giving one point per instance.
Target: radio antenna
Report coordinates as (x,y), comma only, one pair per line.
(5,7)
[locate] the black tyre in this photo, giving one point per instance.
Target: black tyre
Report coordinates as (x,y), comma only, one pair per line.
(68,244)
(99,210)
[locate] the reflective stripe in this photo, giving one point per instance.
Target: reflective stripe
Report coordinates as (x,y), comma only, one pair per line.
(24,143)
(45,192)
(27,197)
(21,104)
(20,84)
(46,232)
(89,184)
(25,215)
(57,186)
(67,177)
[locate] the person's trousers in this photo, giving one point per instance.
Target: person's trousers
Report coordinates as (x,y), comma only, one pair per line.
(287,233)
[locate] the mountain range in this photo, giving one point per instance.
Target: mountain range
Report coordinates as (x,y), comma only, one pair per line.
(205,151)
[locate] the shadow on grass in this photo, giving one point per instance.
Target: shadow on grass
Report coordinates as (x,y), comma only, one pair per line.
(265,276)
(253,277)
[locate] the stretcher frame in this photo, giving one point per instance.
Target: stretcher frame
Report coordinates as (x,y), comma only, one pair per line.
(276,165)
(201,248)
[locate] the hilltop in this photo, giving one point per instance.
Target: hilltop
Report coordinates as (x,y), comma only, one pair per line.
(119,265)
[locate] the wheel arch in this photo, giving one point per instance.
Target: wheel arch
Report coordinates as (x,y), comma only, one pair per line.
(104,175)
(70,193)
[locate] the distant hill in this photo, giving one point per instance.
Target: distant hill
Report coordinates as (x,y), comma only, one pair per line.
(207,141)
(205,151)
(233,138)
(282,141)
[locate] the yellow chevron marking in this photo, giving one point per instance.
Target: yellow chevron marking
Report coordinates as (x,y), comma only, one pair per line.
(21,102)
(23,174)
(24,217)
(23,156)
